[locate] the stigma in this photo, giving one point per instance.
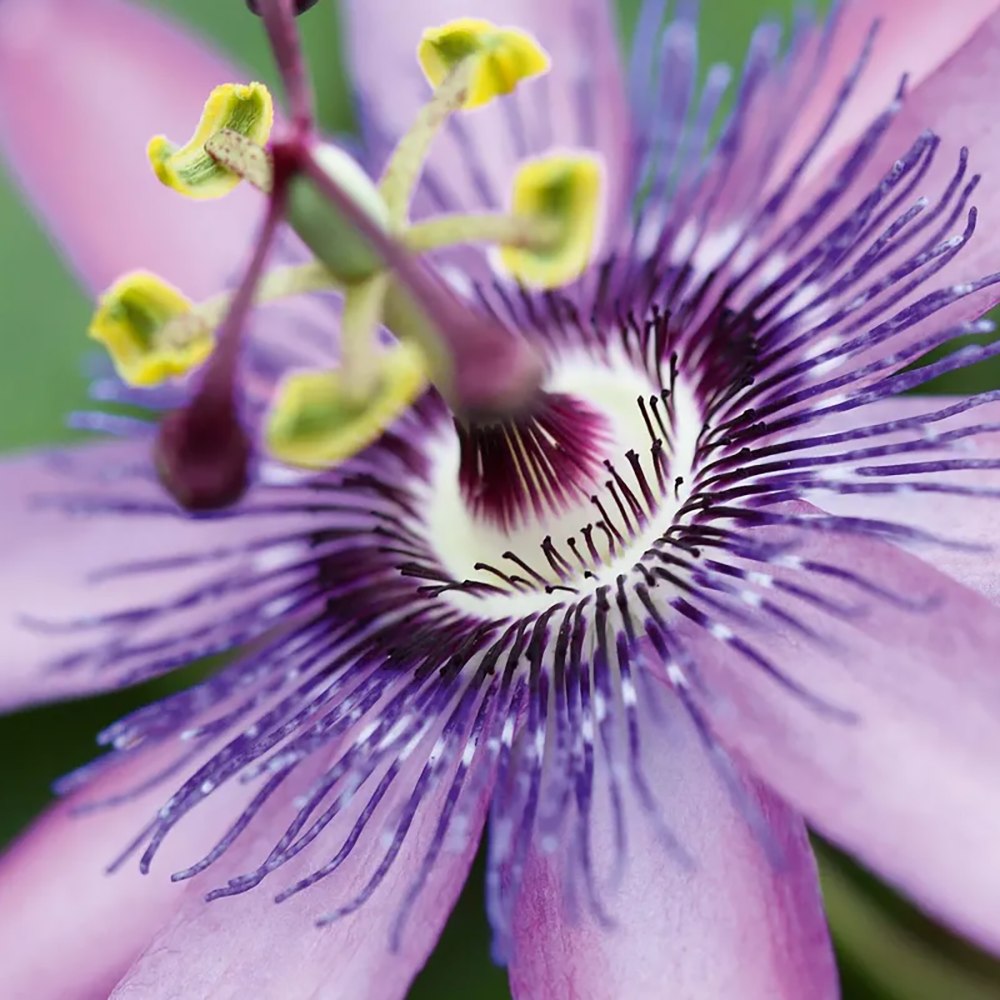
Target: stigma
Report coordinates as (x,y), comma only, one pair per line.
(404,331)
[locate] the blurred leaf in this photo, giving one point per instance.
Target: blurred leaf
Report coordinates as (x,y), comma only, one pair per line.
(896,950)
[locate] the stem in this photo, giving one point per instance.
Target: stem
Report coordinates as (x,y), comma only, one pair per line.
(490,371)
(220,376)
(487,227)
(280,283)
(401,174)
(202,453)
(283,32)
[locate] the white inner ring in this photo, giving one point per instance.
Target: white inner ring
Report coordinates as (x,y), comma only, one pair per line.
(610,386)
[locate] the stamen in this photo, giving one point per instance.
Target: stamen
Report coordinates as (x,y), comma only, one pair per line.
(318,418)
(190,170)
(547,239)
(402,172)
(504,230)
(563,193)
(150,330)
(499,58)
(280,283)
(359,324)
(469,63)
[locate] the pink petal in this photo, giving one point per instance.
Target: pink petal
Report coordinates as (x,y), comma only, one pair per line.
(157,938)
(250,943)
(955,102)
(953,72)
(60,901)
(49,556)
(910,786)
(914,38)
(579,35)
(971,521)
(733,924)
(83,87)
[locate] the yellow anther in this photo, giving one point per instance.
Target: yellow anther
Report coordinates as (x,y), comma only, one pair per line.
(243,108)
(317,421)
(561,195)
(503,57)
(150,330)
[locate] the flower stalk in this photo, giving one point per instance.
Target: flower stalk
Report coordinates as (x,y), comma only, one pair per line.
(203,454)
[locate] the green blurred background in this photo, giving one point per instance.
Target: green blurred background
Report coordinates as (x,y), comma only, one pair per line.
(885,948)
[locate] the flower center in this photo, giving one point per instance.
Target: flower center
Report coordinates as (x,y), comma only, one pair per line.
(540,463)
(565,500)
(367,247)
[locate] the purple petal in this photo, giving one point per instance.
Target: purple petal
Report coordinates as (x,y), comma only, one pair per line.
(909,785)
(83,87)
(735,922)
(54,603)
(955,101)
(250,943)
(581,102)
(913,39)
(951,73)
(154,937)
(973,520)
(63,858)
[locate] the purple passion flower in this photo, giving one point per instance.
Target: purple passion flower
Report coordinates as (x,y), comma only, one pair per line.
(551,468)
